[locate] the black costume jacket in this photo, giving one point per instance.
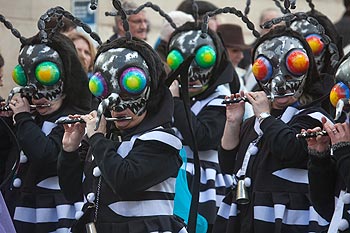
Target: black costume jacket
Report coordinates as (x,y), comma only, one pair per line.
(329,181)
(277,172)
(130,181)
(33,195)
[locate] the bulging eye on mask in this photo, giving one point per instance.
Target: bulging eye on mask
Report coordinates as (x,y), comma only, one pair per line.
(174,59)
(98,86)
(297,62)
(46,73)
(205,57)
(316,44)
(338,92)
(132,82)
(262,69)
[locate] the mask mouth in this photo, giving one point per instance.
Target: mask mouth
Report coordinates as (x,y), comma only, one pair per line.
(195,85)
(41,102)
(40,106)
(279,88)
(276,96)
(283,91)
(195,74)
(119,114)
(136,106)
(49,94)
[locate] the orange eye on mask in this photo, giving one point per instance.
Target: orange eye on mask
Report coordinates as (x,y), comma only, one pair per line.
(262,69)
(339,91)
(297,62)
(316,43)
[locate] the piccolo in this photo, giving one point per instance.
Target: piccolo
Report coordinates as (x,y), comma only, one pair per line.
(311,135)
(245,99)
(80,120)
(32,106)
(235,100)
(39,105)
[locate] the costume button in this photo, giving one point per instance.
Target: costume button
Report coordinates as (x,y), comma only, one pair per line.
(247,182)
(346,198)
(91,197)
(23,158)
(96,172)
(17,183)
(253,150)
(343,225)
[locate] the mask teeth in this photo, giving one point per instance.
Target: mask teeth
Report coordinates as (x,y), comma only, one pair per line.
(111,99)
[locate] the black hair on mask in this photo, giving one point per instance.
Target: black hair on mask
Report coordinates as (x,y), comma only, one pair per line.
(154,63)
(76,86)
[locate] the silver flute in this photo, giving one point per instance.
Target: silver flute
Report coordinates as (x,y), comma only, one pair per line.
(312,135)
(32,106)
(80,120)
(245,99)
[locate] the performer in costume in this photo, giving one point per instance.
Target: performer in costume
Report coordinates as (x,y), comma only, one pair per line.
(129,183)
(325,43)
(209,76)
(52,81)
(322,37)
(328,171)
(270,191)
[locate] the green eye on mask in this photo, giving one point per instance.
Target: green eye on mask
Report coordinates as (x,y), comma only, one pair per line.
(47,73)
(19,76)
(174,59)
(205,56)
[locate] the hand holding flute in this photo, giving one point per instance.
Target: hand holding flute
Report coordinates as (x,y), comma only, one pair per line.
(72,120)
(331,135)
(73,133)
(19,104)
